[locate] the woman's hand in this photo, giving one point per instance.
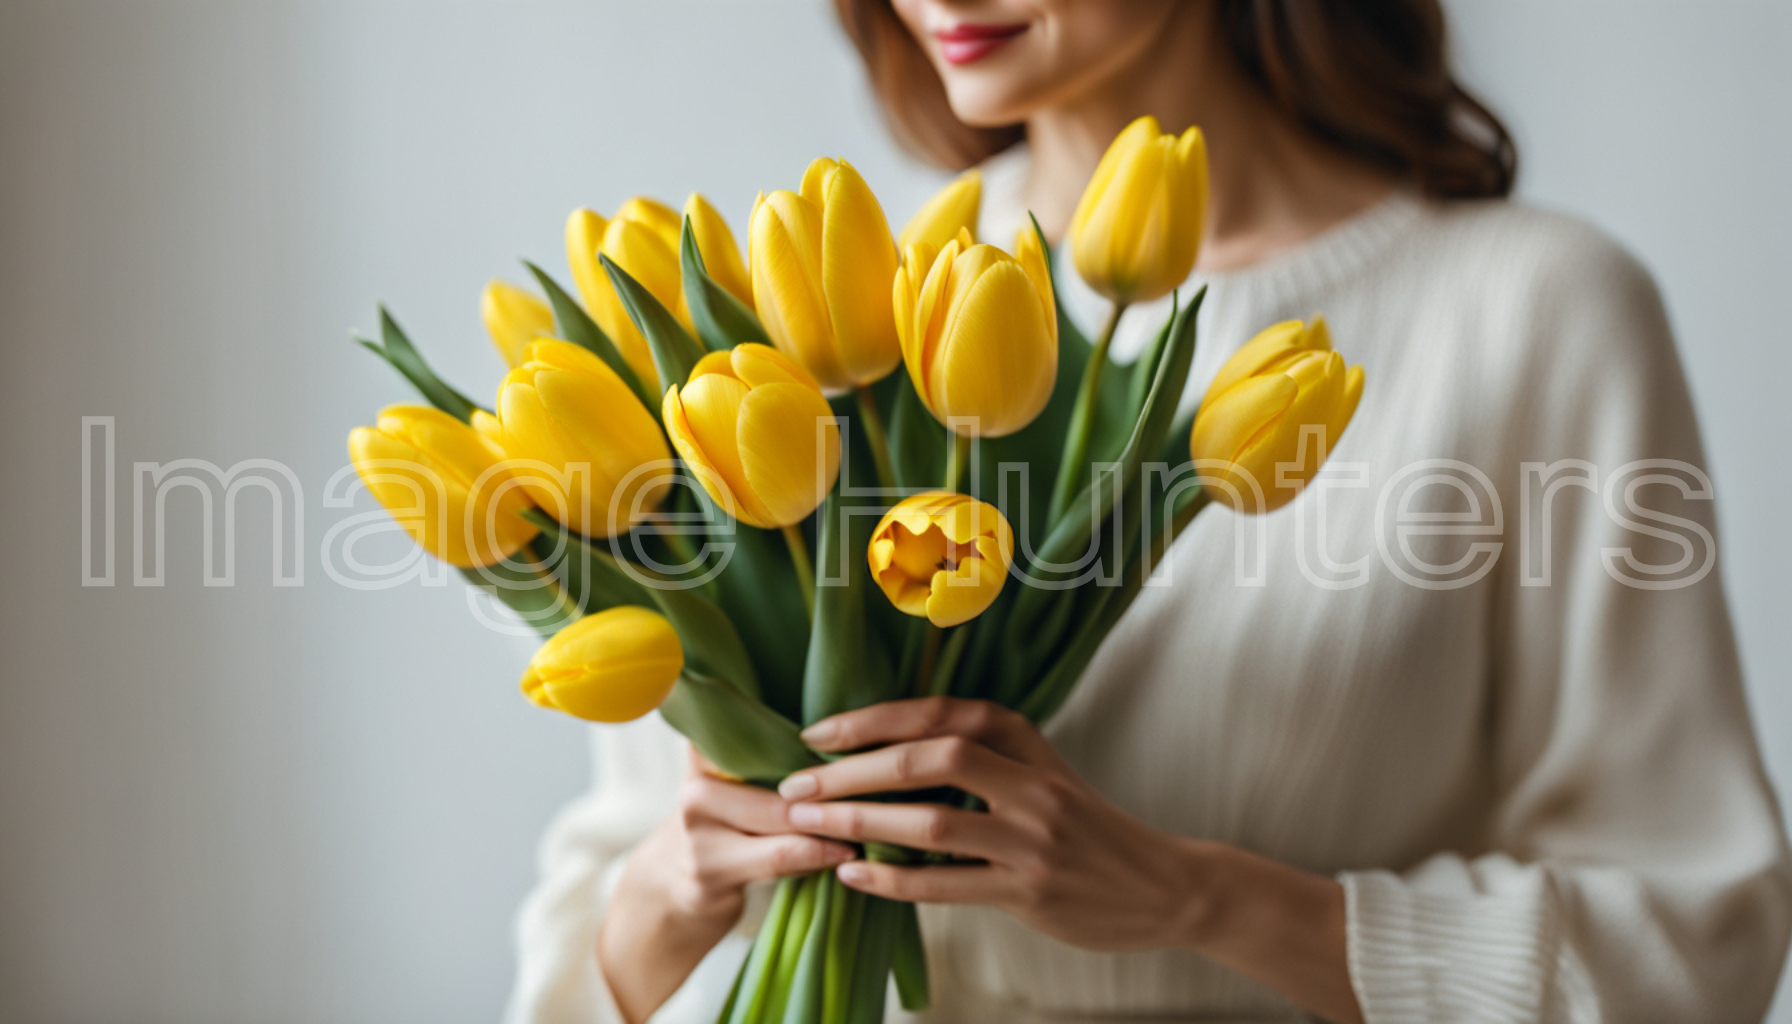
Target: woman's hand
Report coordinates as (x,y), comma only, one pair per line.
(684,887)
(1055,853)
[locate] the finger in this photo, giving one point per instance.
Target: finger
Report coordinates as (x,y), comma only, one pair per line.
(707,800)
(941,761)
(898,721)
(934,883)
(732,860)
(921,826)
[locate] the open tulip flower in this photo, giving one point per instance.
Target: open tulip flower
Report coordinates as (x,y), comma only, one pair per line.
(514,318)
(979,333)
(942,556)
(1284,379)
(822,261)
(612,666)
(443,483)
(759,434)
(643,239)
(566,408)
(951,210)
(1137,229)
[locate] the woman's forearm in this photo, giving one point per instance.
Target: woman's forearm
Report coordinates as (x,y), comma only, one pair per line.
(1277,925)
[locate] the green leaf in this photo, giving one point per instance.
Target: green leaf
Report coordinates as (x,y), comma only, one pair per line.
(537,600)
(740,735)
(847,665)
(578,327)
(1071,538)
(917,440)
(711,644)
(722,320)
(396,348)
(909,961)
(757,588)
(675,352)
(871,971)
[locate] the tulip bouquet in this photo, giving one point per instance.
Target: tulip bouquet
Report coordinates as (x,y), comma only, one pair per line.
(849,469)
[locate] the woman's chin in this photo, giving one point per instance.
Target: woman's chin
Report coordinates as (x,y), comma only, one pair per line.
(982,103)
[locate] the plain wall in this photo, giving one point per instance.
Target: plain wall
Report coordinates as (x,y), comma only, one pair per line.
(308,804)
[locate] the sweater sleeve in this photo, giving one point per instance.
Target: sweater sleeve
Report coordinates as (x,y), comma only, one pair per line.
(637,769)
(1636,867)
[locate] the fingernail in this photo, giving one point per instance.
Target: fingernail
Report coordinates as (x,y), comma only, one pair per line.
(798,787)
(821,733)
(804,815)
(852,873)
(838,854)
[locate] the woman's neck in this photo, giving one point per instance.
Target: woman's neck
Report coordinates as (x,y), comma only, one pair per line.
(1273,185)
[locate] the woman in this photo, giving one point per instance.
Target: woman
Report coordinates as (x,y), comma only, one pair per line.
(1359,783)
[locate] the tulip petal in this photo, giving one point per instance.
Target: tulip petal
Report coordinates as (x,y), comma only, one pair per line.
(513,318)
(760,364)
(950,210)
(786,243)
(613,666)
(858,267)
(715,243)
(712,415)
(678,427)
(789,451)
(1268,345)
(958,595)
(1031,257)
(998,363)
(715,362)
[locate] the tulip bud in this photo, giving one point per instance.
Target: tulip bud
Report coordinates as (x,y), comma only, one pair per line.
(821,264)
(757,432)
(979,333)
(1137,229)
(951,210)
(715,243)
(443,483)
(513,318)
(612,666)
(1284,379)
(642,239)
(942,556)
(566,408)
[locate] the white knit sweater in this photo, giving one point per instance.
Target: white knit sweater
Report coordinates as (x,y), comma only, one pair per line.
(1544,800)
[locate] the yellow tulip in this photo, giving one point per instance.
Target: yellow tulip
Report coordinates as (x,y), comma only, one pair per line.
(1284,379)
(979,333)
(443,483)
(613,666)
(1137,229)
(758,433)
(951,210)
(513,318)
(715,243)
(566,408)
(822,262)
(642,239)
(942,556)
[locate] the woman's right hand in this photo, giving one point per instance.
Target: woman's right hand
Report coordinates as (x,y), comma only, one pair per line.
(684,887)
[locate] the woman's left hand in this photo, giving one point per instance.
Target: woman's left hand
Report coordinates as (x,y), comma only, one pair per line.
(1055,853)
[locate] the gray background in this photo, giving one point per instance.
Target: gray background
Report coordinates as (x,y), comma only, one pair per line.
(260,804)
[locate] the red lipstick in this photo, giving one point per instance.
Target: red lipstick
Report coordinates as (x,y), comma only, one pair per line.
(966,42)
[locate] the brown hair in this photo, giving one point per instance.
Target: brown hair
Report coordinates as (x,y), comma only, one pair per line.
(1370,77)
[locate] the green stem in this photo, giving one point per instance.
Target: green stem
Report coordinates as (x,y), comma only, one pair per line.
(958,458)
(569,610)
(941,683)
(1082,420)
(880,442)
(805,572)
(929,655)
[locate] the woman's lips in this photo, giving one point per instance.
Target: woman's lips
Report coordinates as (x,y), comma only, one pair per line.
(962,44)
